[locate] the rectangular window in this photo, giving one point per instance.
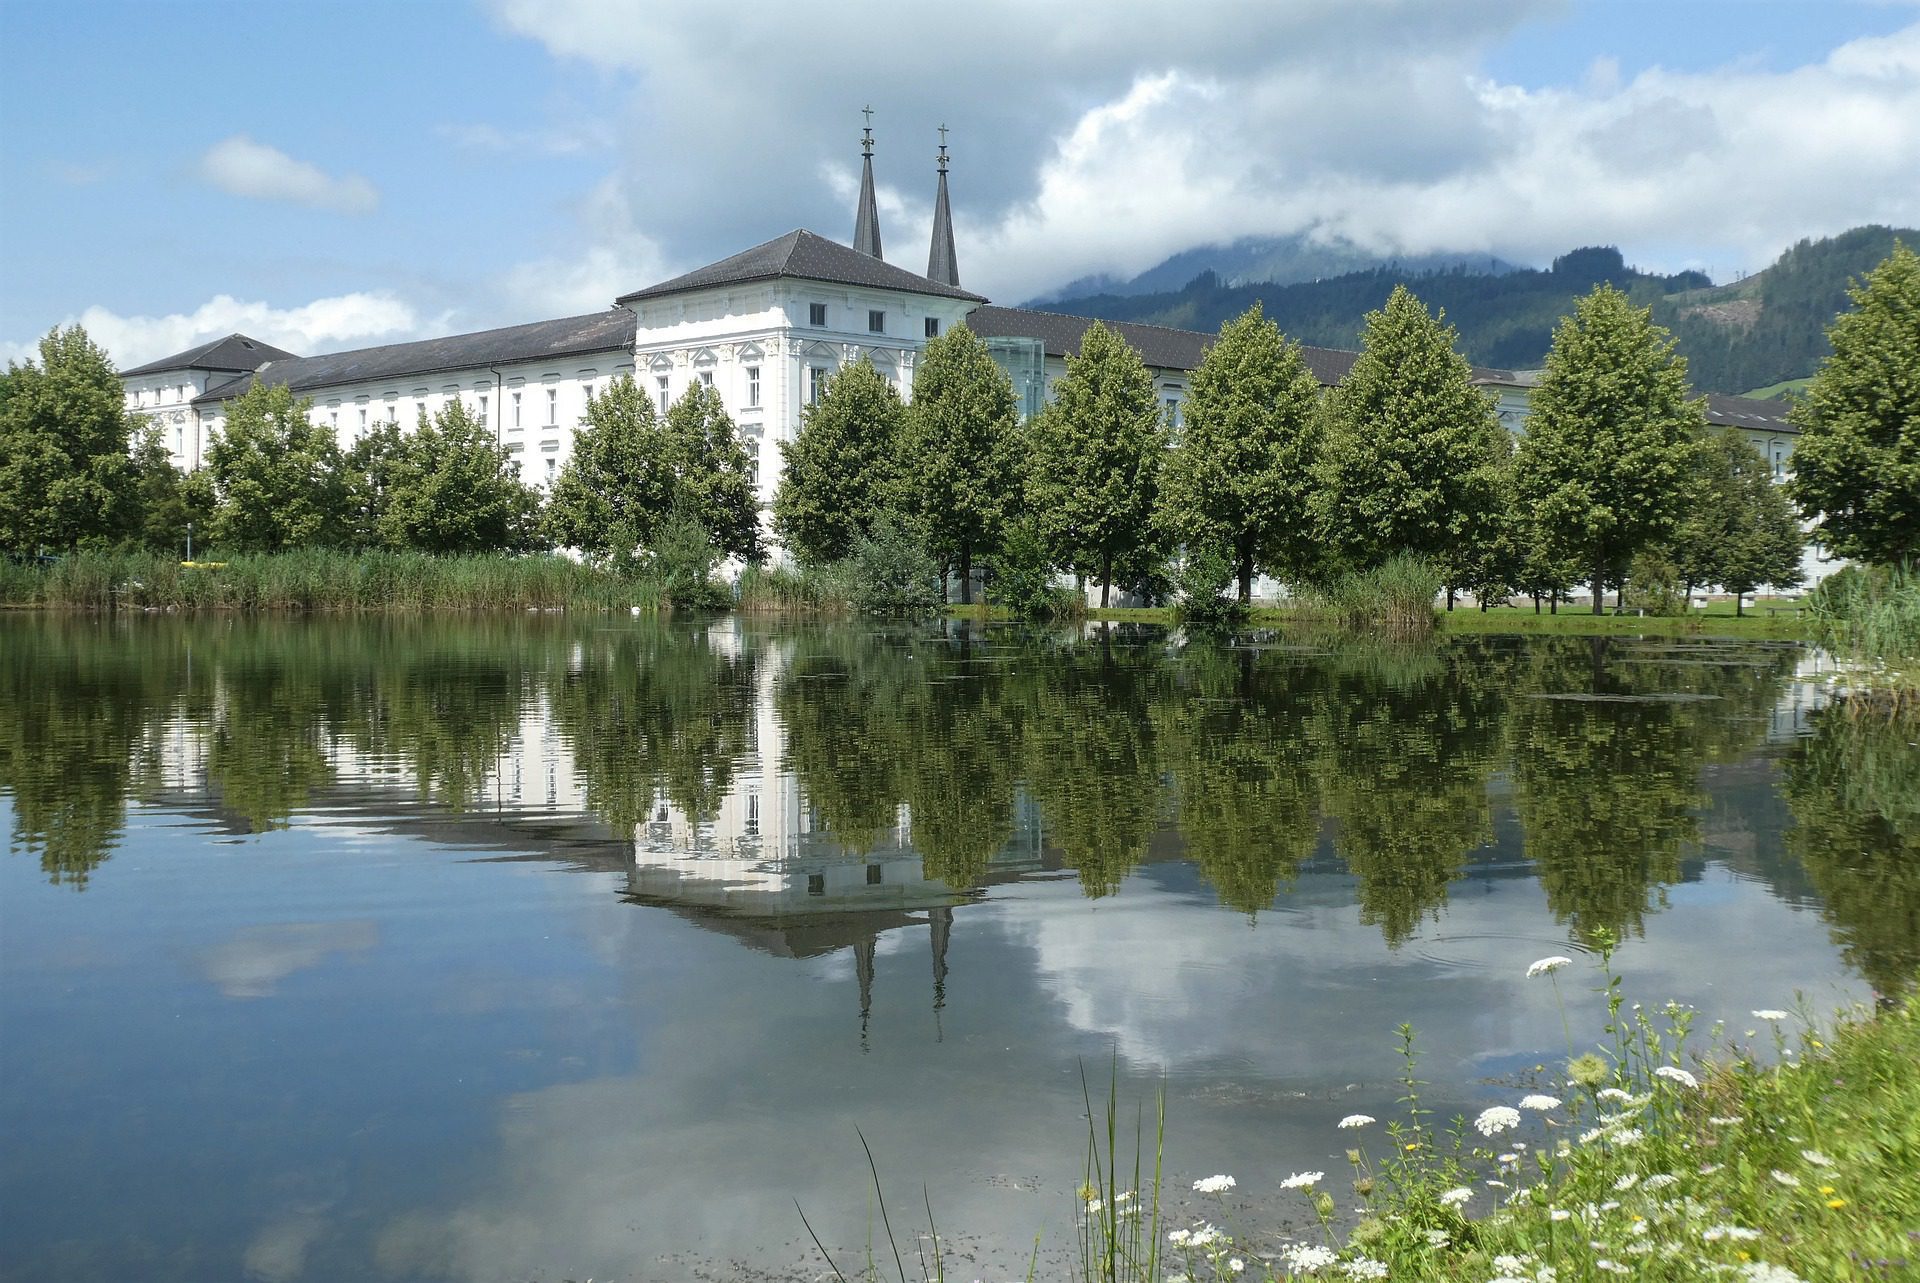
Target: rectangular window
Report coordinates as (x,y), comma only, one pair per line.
(876,322)
(817,314)
(588,389)
(553,406)
(1173,411)
(874,875)
(816,384)
(333,419)
(363,418)
(550,467)
(516,409)
(933,327)
(483,410)
(753,387)
(661,383)
(706,378)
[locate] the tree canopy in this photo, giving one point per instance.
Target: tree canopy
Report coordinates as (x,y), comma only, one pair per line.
(455,489)
(1603,469)
(1095,455)
(279,478)
(1414,450)
(840,469)
(1856,468)
(1240,476)
(959,455)
(66,478)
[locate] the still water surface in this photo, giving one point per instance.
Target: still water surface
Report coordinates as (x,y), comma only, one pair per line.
(546,949)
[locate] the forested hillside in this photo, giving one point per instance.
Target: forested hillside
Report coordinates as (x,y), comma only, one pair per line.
(1765,329)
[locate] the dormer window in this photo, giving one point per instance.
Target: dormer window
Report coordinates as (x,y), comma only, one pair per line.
(817,315)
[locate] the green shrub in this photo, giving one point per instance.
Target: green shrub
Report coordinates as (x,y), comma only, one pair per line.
(1393,599)
(1204,587)
(891,573)
(1021,577)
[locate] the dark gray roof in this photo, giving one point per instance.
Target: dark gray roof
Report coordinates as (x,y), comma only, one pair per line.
(608,331)
(1745,412)
(235,352)
(809,257)
(1158,345)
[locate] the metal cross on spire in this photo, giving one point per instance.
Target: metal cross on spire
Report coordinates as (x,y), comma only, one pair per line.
(866,141)
(943,149)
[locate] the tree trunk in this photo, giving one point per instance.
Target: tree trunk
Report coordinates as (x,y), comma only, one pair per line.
(1620,597)
(1246,576)
(1738,602)
(1536,603)
(966,574)
(1106,577)
(1483,603)
(1449,598)
(1599,590)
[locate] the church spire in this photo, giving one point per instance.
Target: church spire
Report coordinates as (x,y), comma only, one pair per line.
(942,266)
(866,220)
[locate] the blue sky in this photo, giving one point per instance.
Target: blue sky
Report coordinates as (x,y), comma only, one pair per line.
(332,175)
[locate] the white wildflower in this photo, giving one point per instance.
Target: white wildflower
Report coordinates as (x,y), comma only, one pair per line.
(1509,1158)
(1498,1119)
(1214,1185)
(1673,1073)
(1203,1236)
(1496,1184)
(1538,1102)
(1768,1013)
(1547,966)
(1508,1263)
(1235,1264)
(1786,1178)
(1508,1278)
(1631,1136)
(1560,1214)
(1817,1158)
(1708,1169)
(1303,1180)
(1612,1093)
(1732,1233)
(1356,1120)
(1178,1237)
(1613,1267)
(1625,1183)
(1761,1272)
(1592,1134)
(1438,1238)
(1365,1267)
(1457,1196)
(1660,1181)
(1719,1120)
(1308,1258)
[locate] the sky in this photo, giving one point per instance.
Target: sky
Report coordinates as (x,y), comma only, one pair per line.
(333,175)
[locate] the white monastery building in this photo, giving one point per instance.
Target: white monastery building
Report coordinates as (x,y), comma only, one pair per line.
(767,327)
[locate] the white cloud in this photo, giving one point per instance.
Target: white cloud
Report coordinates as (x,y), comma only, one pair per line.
(240,166)
(614,257)
(324,325)
(1089,147)
(575,140)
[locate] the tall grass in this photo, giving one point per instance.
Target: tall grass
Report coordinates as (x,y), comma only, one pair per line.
(794,589)
(318,579)
(1871,615)
(1394,599)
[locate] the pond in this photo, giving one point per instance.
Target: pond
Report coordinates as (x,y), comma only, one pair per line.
(559,948)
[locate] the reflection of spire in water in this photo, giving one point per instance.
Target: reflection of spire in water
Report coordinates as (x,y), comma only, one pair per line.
(863,953)
(940,927)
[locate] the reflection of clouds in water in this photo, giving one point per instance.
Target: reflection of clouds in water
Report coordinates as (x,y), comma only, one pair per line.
(278,1253)
(1177,985)
(257,959)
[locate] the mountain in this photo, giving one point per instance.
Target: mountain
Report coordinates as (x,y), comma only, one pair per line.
(1765,329)
(1278,260)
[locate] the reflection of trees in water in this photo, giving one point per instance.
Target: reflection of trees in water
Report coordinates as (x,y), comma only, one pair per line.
(1235,742)
(657,709)
(961,762)
(1091,757)
(1607,786)
(1853,787)
(75,698)
(842,701)
(1408,738)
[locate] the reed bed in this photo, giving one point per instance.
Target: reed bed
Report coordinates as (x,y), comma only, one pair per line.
(317,579)
(1393,600)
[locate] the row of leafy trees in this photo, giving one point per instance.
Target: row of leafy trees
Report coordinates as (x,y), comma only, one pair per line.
(1265,474)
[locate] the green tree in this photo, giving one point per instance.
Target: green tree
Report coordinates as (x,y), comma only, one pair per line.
(1739,531)
(372,465)
(619,484)
(713,473)
(1241,474)
(1604,468)
(455,489)
(840,468)
(1414,450)
(279,476)
(959,453)
(1096,449)
(1856,468)
(66,478)
(166,500)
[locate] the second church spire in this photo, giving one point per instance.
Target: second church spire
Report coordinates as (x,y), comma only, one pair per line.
(866,219)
